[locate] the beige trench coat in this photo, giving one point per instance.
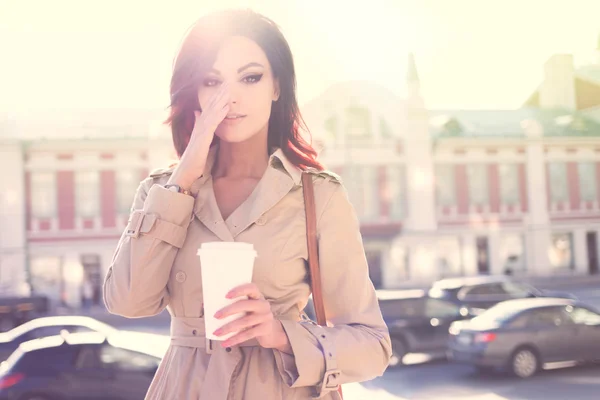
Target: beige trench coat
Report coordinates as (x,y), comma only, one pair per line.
(156,267)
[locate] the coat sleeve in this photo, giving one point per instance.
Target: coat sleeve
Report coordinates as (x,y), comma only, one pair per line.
(136,282)
(356,347)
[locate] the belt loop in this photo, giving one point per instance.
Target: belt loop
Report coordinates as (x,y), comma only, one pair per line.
(209,346)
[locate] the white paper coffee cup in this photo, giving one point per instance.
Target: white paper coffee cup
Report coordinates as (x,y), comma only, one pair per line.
(224,266)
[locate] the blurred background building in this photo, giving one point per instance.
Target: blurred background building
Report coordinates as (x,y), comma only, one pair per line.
(439,192)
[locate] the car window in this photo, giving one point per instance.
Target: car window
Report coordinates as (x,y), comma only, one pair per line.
(402,307)
(551,316)
(488,289)
(516,289)
(126,360)
(435,308)
(582,316)
(87,358)
(520,321)
(53,358)
(45,331)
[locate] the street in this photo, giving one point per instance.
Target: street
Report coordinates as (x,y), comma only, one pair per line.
(439,380)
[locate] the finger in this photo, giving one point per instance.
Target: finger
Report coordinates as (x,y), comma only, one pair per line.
(248,289)
(258,330)
(244,306)
(214,99)
(243,323)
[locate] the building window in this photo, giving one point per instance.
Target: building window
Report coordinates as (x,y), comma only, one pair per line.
(370,192)
(127,183)
(512,253)
(397,191)
(509,184)
(560,253)
(352,181)
(448,257)
(588,184)
(358,125)
(43,194)
(445,184)
(559,189)
(477,175)
(87,194)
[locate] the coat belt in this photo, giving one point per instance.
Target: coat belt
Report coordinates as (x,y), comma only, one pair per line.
(190,332)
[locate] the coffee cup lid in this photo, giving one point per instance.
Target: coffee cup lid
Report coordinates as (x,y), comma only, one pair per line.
(227,246)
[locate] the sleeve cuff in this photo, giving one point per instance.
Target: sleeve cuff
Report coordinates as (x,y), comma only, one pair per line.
(169,206)
(308,361)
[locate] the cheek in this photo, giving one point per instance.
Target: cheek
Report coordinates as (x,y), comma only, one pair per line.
(260,101)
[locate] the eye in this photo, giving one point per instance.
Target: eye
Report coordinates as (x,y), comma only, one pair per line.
(253,78)
(211,82)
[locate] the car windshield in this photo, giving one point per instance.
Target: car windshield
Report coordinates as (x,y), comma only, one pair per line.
(498,313)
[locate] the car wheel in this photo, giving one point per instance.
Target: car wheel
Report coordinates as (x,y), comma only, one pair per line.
(524,363)
(398,353)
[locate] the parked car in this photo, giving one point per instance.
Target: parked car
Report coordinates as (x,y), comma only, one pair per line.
(523,335)
(479,293)
(18,305)
(48,326)
(79,366)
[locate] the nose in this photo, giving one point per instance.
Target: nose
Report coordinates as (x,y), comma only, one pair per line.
(233,93)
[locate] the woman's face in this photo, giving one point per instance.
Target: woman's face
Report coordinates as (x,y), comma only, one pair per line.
(244,65)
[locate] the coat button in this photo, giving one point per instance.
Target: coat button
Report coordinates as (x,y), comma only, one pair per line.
(194,332)
(261,221)
(180,277)
(228,349)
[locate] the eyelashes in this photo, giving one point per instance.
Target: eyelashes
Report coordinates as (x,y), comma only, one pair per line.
(249,79)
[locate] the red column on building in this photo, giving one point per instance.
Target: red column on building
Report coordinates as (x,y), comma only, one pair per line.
(573,181)
(523,188)
(108,199)
(384,192)
(65,181)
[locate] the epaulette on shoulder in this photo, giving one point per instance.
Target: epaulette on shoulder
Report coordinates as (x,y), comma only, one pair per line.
(325,174)
(160,172)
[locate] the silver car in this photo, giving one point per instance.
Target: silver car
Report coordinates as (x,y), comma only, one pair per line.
(526,334)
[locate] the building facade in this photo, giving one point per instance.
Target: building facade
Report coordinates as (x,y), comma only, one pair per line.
(444,193)
(439,193)
(66,196)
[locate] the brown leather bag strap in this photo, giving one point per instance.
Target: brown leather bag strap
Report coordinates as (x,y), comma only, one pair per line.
(313,253)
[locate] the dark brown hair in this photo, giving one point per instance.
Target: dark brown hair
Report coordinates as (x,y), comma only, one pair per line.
(197,55)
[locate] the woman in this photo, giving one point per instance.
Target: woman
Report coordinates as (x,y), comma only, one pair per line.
(235,125)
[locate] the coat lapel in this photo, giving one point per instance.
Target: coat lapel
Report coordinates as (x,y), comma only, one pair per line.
(273,187)
(279,178)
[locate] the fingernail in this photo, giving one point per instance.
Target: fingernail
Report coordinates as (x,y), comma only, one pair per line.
(217,332)
(218,314)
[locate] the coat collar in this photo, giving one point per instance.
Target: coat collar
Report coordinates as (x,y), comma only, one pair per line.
(280,177)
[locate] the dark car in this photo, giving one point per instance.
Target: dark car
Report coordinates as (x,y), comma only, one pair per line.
(48,326)
(524,335)
(417,323)
(81,366)
(478,293)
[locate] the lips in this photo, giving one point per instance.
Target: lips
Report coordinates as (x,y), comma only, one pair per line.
(233,117)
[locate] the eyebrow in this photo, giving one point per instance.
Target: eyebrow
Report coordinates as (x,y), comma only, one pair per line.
(241,69)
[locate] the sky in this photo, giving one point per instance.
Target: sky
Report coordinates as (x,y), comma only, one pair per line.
(64,54)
